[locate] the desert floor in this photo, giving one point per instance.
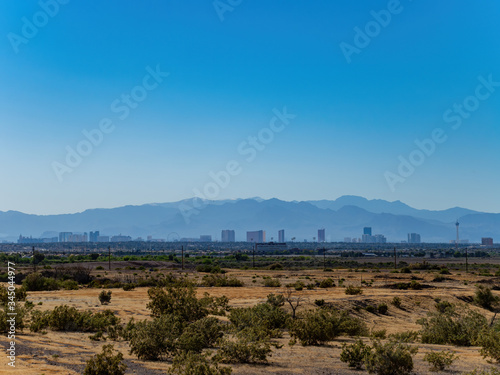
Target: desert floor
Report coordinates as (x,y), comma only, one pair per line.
(66,353)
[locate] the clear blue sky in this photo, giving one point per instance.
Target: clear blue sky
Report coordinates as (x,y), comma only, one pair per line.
(353,120)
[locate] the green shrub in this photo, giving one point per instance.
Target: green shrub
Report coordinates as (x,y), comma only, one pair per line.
(272,283)
(371,309)
(156,339)
(490,344)
(440,361)
(355,354)
(105,363)
(461,328)
(396,301)
(326,283)
(203,333)
(5,325)
(99,268)
(444,306)
(319,302)
(391,358)
(322,325)
(485,298)
(105,297)
(405,270)
(36,282)
(179,300)
(16,295)
(276,266)
(353,290)
(264,319)
(243,350)
(128,287)
(187,363)
(69,285)
(382,308)
(66,318)
(380,334)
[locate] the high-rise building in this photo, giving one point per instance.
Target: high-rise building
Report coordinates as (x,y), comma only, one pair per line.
(78,237)
(64,236)
(281,235)
(321,235)
(228,236)
(487,241)
(379,238)
(93,236)
(367,230)
(414,238)
(347,239)
(205,238)
(256,236)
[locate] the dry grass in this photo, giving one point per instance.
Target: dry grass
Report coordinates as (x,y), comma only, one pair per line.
(66,353)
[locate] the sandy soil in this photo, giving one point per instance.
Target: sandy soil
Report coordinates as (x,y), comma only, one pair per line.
(66,353)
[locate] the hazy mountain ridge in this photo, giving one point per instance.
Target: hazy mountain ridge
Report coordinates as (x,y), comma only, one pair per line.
(344,217)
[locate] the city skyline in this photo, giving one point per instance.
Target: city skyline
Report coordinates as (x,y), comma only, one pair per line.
(106,109)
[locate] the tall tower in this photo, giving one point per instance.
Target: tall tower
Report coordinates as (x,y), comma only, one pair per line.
(456,242)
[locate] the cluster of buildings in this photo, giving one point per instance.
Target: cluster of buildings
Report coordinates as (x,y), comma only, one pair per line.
(75,237)
(367,237)
(228,235)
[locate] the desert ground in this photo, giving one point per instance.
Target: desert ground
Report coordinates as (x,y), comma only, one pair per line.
(67,352)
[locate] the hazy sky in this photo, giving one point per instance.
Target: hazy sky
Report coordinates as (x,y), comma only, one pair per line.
(336,93)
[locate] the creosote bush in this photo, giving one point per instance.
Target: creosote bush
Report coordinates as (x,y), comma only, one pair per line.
(391,358)
(456,326)
(485,298)
(322,325)
(105,363)
(188,363)
(353,290)
(440,361)
(355,354)
(105,297)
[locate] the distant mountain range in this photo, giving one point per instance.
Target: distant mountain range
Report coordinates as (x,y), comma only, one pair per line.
(343,217)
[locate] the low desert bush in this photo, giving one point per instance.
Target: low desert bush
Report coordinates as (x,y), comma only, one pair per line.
(391,358)
(326,283)
(187,363)
(105,363)
(322,325)
(485,298)
(105,297)
(272,283)
(461,327)
(440,361)
(353,290)
(355,354)
(243,350)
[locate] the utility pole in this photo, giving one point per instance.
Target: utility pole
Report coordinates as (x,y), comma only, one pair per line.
(109,258)
(33,256)
(466,260)
(395,259)
(182,249)
(253,255)
(324,259)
